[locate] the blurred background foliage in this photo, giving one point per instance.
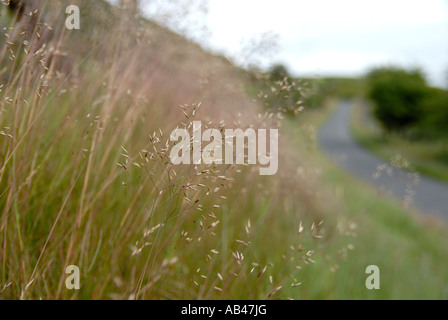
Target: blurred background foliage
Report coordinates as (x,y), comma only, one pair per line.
(403,102)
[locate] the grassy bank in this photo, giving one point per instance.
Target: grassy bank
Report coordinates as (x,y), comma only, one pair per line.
(409,249)
(86,180)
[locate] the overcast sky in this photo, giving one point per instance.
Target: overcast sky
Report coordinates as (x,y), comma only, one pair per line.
(344,37)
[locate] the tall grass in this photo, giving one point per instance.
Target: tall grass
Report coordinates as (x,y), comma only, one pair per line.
(85,177)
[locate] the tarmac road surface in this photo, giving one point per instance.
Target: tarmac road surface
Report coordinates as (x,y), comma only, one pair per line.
(428,195)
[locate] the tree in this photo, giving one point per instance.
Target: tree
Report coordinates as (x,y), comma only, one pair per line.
(279,72)
(397,95)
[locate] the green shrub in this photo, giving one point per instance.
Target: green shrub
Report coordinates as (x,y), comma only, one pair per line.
(397,95)
(278,72)
(435,108)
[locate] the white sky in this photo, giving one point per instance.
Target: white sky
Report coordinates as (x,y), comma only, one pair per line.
(343,37)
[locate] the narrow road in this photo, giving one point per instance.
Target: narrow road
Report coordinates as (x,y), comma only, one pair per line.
(428,195)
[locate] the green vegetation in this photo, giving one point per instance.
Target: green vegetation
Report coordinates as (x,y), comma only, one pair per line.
(277,90)
(85,178)
(409,250)
(433,124)
(398,96)
(404,103)
(345,88)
